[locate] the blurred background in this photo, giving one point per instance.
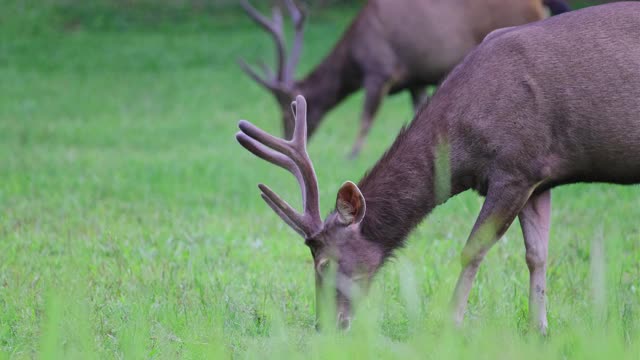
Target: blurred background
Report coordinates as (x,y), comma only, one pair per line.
(131,225)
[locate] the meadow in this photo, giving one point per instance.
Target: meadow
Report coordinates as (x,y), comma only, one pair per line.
(131,225)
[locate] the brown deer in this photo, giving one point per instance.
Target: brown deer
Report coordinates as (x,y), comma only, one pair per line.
(391,46)
(533,107)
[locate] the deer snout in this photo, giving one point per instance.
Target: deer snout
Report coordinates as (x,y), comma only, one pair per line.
(344,321)
(343,313)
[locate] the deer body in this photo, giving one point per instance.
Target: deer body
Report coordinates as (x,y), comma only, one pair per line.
(400,45)
(527,111)
(558,110)
(533,107)
(424,40)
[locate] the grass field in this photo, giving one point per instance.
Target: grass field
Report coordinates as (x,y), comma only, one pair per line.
(131,225)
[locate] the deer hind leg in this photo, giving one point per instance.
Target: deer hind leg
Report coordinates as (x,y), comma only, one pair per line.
(418,97)
(501,206)
(375,91)
(535,223)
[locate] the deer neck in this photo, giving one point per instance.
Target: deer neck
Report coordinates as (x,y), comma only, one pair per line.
(333,80)
(411,178)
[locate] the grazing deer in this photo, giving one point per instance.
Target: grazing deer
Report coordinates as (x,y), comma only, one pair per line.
(391,46)
(533,107)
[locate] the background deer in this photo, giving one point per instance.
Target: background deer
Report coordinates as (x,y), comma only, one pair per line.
(533,107)
(389,47)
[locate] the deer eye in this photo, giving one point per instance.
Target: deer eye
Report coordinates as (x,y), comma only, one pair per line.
(323,266)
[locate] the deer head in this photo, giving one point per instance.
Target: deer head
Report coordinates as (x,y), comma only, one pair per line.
(338,240)
(280,83)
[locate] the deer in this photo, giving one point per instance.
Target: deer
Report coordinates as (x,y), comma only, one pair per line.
(390,46)
(531,108)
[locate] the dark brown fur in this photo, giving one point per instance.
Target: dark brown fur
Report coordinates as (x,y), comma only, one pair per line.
(392,46)
(533,107)
(538,117)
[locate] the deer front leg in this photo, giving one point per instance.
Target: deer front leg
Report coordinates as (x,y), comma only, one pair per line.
(535,222)
(418,97)
(502,204)
(376,90)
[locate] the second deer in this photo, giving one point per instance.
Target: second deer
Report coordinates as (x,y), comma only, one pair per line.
(390,46)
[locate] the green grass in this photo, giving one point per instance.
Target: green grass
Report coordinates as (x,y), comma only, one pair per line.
(131,226)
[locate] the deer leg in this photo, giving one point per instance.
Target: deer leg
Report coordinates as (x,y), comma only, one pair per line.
(535,221)
(418,97)
(502,204)
(376,90)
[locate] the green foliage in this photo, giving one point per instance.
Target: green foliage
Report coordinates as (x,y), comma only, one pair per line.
(131,226)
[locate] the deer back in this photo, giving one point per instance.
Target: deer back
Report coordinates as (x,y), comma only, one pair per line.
(425,39)
(557,100)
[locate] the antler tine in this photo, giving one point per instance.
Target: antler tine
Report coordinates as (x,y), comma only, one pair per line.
(271,85)
(282,214)
(265,138)
(298,16)
(271,156)
(267,154)
(299,109)
(303,161)
(302,221)
(291,155)
(274,28)
(267,70)
(284,210)
(276,15)
(286,154)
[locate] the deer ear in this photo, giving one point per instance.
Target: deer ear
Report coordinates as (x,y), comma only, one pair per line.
(350,204)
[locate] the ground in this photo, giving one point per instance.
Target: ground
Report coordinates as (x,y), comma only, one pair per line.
(131,225)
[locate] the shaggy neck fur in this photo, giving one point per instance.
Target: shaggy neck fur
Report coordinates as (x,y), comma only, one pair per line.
(400,190)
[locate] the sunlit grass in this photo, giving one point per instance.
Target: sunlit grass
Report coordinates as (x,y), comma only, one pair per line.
(131,225)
